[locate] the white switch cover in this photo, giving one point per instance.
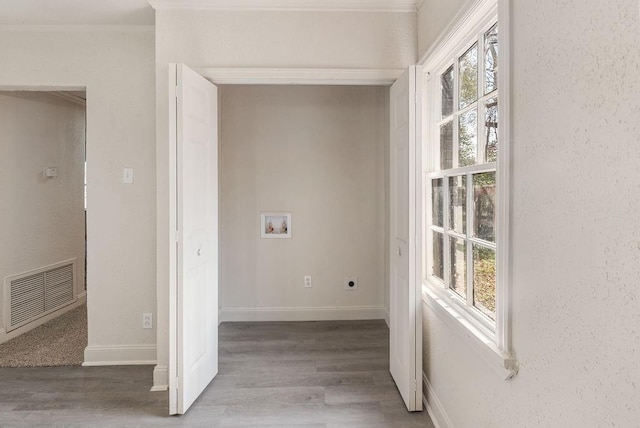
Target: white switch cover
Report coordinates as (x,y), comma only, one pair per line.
(127,176)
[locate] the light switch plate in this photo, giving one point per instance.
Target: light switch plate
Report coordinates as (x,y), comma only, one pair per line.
(127,176)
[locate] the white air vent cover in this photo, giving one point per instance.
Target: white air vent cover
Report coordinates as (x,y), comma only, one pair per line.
(37,293)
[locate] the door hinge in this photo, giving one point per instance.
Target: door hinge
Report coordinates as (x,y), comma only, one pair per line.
(415,385)
(177,236)
(177,382)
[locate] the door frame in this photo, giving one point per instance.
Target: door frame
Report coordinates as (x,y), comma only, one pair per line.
(81,297)
(166,155)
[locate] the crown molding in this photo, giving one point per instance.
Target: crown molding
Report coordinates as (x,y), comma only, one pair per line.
(299,76)
(289,5)
(77,28)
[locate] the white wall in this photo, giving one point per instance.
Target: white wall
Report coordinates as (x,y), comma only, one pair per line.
(575,230)
(116,67)
(261,39)
(434,16)
(318,152)
(42,222)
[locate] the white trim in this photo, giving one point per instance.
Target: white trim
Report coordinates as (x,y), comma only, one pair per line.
(299,76)
(160,378)
(434,407)
(119,355)
(494,340)
(503,181)
(418,218)
(77,28)
(327,313)
(80,300)
(386,317)
(503,364)
(289,5)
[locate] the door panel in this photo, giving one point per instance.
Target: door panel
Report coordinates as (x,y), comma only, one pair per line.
(404,312)
(196,320)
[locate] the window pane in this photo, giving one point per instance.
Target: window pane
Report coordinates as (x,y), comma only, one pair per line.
(491,60)
(458,204)
(446,83)
(468,138)
(446,145)
(438,260)
(458,274)
(484,198)
(437,198)
(484,280)
(491,130)
(469,76)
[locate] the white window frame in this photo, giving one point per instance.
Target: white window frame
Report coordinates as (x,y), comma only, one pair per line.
(491,340)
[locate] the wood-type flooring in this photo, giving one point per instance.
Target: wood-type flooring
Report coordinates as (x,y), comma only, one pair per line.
(271,374)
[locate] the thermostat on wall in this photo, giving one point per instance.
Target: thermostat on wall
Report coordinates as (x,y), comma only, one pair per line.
(50,172)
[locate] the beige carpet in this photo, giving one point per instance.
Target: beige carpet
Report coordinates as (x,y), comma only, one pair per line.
(59,342)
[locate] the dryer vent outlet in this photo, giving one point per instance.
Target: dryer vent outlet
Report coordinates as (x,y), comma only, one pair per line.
(351,283)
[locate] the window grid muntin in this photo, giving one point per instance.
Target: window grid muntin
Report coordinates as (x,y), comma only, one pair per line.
(469,171)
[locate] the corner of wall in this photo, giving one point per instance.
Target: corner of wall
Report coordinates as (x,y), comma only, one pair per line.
(433,405)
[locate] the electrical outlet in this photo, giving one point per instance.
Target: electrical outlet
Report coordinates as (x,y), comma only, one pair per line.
(307,281)
(147,320)
(351,283)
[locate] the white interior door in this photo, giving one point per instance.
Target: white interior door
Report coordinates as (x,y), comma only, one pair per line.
(404,312)
(196,313)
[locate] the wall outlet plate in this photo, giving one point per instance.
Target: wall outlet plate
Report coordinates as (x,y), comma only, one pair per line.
(351,283)
(147,320)
(307,281)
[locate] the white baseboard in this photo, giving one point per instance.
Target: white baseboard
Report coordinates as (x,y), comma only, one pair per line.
(120,355)
(81,299)
(160,378)
(339,313)
(433,405)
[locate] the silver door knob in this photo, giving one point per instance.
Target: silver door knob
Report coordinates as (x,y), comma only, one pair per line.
(199,252)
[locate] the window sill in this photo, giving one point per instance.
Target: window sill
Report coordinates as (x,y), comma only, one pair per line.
(504,365)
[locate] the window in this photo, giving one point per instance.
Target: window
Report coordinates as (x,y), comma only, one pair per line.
(464,232)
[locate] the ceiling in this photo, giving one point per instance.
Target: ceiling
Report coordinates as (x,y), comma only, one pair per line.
(76,12)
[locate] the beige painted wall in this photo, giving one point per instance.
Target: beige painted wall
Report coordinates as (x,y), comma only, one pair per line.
(261,39)
(116,67)
(42,220)
(575,233)
(434,16)
(318,152)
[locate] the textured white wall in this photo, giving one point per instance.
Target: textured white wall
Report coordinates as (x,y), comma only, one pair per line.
(42,220)
(575,230)
(117,68)
(262,39)
(317,151)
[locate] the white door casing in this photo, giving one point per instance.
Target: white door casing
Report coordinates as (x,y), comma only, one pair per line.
(405,353)
(194,317)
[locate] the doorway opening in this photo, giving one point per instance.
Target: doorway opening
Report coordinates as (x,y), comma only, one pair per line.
(43,318)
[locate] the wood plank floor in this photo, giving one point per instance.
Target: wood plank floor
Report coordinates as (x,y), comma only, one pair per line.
(296,374)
